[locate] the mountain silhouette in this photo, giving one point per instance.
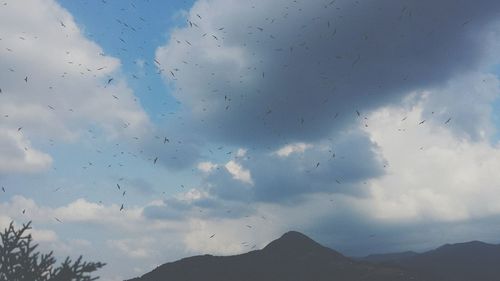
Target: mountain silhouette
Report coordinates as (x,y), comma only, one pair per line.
(452,262)
(293,257)
(387,258)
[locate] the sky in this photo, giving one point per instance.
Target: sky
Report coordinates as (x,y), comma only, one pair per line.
(133,131)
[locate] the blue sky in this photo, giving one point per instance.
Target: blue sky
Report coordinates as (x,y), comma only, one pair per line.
(371,127)
(152,21)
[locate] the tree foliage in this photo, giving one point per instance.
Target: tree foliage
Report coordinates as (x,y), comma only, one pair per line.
(19,260)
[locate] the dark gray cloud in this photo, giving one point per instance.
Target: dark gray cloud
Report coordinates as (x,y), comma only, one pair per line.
(175,148)
(172,209)
(356,235)
(336,166)
(267,72)
(204,207)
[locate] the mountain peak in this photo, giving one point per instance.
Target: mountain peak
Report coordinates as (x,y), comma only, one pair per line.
(466,245)
(292,239)
(295,235)
(295,243)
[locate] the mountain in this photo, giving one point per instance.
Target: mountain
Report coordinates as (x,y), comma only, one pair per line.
(452,262)
(293,257)
(458,262)
(387,258)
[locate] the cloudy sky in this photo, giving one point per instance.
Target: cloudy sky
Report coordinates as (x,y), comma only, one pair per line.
(371,126)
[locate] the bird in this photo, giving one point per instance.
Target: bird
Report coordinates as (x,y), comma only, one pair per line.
(62,24)
(109,80)
(448,121)
(154,161)
(57,219)
(121,208)
(212,236)
(26,79)
(421,122)
(3,189)
(117,185)
(165,140)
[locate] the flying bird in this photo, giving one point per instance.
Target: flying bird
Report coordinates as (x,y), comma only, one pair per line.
(448,121)
(421,122)
(121,208)
(212,236)
(154,161)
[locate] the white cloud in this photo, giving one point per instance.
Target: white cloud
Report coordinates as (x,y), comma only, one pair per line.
(66,91)
(238,172)
(432,174)
(286,150)
(134,248)
(241,152)
(207,167)
(18,155)
(44,235)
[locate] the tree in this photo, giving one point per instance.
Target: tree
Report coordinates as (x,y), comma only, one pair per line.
(19,260)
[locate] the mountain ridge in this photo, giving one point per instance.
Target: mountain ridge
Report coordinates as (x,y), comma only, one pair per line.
(292,257)
(296,257)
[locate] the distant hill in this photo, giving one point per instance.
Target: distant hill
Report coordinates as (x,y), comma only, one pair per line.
(452,262)
(293,257)
(296,257)
(457,262)
(387,258)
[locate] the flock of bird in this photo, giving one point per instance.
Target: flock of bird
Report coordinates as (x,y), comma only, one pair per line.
(174,73)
